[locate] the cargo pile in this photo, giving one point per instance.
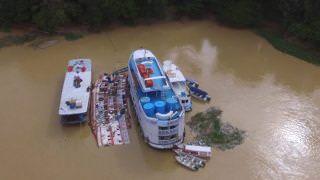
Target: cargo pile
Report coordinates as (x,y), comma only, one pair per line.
(109,109)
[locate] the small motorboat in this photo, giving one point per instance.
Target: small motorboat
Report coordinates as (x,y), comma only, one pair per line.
(199,93)
(192,82)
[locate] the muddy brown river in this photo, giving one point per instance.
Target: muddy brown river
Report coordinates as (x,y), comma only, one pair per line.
(274,97)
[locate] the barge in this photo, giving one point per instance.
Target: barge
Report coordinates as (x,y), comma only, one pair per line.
(75,94)
(160,113)
(109,109)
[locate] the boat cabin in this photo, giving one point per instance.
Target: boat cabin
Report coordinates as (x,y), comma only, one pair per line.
(156,96)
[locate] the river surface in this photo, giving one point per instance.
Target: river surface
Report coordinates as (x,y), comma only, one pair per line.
(274,97)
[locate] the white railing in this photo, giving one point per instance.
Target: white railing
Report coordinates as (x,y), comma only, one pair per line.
(169,131)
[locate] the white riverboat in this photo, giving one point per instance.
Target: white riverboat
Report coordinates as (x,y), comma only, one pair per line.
(76,92)
(160,113)
(178,82)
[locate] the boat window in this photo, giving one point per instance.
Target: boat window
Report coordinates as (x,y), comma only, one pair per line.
(172,127)
(168,137)
(163,128)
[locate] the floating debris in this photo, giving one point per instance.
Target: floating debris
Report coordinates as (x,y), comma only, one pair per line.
(213,132)
(109,110)
(45,43)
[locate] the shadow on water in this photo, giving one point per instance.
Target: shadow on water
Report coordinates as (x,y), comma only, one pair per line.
(56,129)
(155,159)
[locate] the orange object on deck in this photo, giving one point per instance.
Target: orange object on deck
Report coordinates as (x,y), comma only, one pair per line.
(141,68)
(145,75)
(149,83)
(149,70)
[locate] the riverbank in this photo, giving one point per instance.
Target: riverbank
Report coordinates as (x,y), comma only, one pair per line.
(296,48)
(293,48)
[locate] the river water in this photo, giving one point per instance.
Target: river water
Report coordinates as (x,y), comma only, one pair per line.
(274,97)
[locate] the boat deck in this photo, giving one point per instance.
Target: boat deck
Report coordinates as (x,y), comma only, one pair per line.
(109,114)
(161,91)
(70,92)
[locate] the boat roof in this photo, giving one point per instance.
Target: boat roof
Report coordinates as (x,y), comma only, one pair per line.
(69,91)
(146,57)
(173,72)
(142,53)
(198,148)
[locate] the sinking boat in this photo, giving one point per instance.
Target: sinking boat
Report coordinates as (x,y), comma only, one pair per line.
(187,162)
(160,113)
(75,94)
(178,82)
(199,161)
(109,115)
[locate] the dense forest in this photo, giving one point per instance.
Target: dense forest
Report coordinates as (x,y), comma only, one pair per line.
(298,18)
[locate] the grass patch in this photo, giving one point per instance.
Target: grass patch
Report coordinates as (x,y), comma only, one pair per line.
(282,45)
(17,40)
(213,132)
(72,36)
(5,29)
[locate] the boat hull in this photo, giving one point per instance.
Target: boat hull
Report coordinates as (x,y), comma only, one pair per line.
(74,119)
(150,127)
(160,130)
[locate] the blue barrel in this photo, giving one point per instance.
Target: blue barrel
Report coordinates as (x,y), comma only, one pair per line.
(172,104)
(72,105)
(144,100)
(160,106)
(149,109)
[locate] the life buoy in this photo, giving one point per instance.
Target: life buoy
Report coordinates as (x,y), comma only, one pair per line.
(70,68)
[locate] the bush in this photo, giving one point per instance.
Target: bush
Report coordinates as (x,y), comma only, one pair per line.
(72,36)
(190,8)
(237,12)
(48,18)
(309,32)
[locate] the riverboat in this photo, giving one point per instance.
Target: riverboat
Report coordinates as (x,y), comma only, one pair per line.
(75,94)
(199,151)
(160,113)
(178,82)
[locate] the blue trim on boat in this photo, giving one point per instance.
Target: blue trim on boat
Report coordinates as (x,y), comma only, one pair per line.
(157,94)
